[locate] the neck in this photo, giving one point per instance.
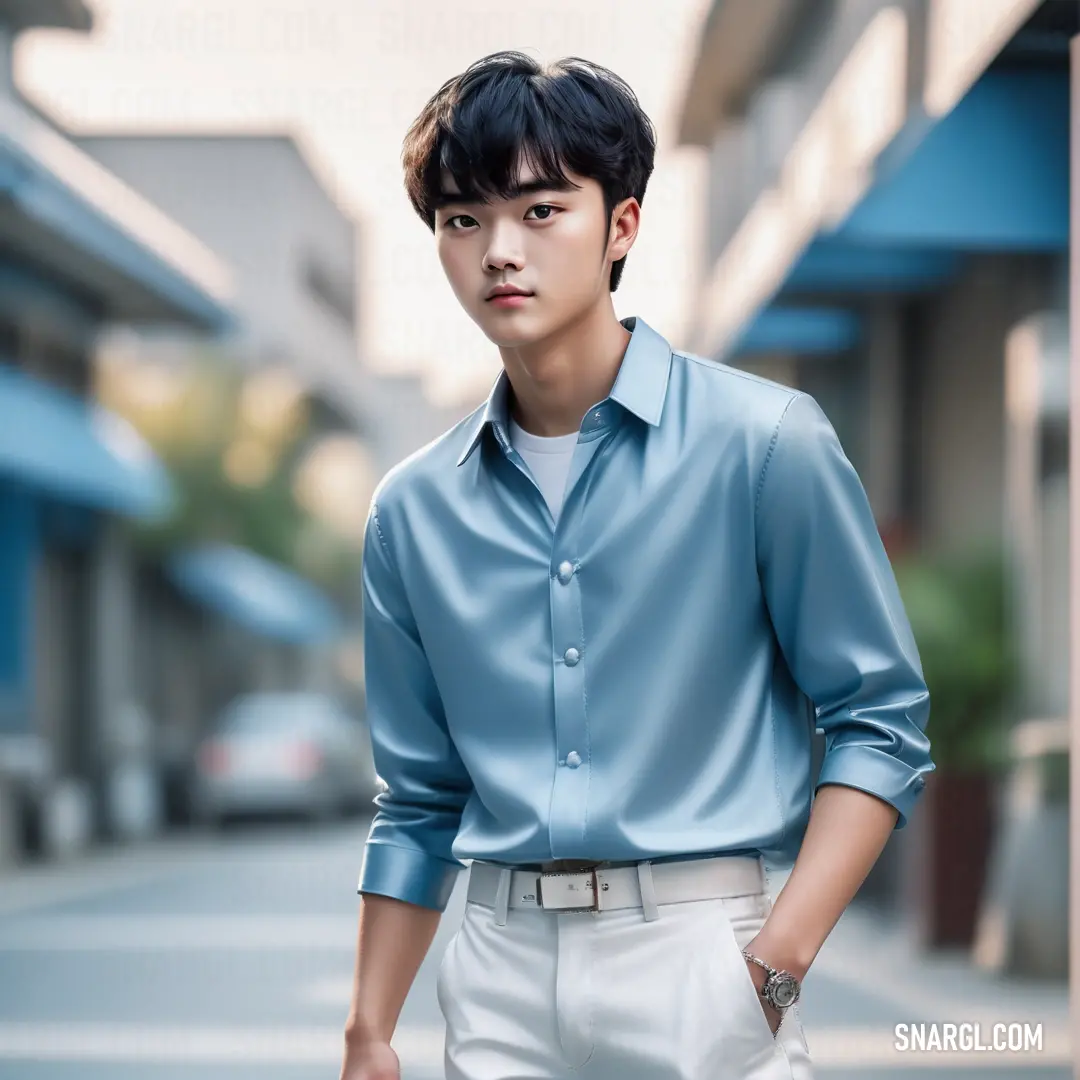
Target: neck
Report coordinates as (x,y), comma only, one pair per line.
(555,381)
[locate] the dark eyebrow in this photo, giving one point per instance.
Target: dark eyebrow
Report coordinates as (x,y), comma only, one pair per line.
(515,191)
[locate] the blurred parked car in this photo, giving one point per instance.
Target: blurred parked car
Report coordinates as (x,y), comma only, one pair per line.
(293,753)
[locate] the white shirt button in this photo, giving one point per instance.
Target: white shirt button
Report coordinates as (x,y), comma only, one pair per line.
(566,572)
(573,759)
(571,656)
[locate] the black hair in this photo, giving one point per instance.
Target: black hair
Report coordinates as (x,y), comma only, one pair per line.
(507,108)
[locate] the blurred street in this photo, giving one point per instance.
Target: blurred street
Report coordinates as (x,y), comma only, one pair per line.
(232,955)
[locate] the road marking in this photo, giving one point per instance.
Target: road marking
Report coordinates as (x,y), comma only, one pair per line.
(421,1046)
(25,890)
(417,1047)
(330,990)
(170,933)
(105,868)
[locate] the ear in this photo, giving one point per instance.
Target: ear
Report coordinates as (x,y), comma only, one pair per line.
(625,221)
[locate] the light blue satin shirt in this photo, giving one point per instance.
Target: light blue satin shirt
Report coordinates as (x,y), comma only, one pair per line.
(641,681)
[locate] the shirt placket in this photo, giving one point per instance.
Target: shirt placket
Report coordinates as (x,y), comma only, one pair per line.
(569,803)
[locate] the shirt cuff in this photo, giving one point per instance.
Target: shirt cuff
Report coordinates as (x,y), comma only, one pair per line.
(407,874)
(873,771)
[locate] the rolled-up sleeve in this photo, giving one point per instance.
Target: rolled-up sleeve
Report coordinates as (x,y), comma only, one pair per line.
(837,612)
(408,851)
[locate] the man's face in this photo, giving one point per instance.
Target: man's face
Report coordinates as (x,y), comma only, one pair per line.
(551,244)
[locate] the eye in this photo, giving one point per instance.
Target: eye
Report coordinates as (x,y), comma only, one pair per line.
(449,224)
(552,211)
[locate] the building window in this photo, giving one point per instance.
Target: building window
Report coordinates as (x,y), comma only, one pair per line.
(330,290)
(9,343)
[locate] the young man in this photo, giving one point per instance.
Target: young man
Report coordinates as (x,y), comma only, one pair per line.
(603,616)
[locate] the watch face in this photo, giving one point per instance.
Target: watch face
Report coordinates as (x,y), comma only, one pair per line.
(785,991)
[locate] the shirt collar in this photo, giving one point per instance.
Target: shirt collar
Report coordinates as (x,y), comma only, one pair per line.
(640,386)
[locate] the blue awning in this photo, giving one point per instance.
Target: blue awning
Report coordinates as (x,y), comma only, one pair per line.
(69,215)
(831,266)
(808,331)
(77,451)
(261,595)
(992,175)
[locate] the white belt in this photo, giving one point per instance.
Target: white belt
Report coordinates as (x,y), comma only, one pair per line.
(607,888)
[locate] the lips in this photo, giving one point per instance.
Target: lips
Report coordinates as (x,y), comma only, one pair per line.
(502,293)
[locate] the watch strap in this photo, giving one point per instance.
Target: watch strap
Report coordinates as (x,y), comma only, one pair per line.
(760,963)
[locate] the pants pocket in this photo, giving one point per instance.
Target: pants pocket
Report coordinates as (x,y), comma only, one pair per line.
(743,1045)
(746,919)
(734,932)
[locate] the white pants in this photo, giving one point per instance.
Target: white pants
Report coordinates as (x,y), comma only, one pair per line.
(610,996)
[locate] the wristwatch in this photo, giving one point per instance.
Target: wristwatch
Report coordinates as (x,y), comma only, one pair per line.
(781,989)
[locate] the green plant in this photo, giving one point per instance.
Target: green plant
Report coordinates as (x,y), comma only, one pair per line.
(959,613)
(193,431)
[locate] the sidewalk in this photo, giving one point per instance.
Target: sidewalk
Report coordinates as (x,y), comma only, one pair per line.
(871,974)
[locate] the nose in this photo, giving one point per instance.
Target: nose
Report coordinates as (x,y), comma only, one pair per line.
(504,249)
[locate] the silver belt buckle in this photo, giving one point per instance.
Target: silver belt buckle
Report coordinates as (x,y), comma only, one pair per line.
(564,890)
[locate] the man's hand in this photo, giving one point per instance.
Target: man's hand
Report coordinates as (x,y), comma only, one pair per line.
(772,1014)
(370,1061)
(775,955)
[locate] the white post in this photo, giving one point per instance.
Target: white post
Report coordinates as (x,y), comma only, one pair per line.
(1074,555)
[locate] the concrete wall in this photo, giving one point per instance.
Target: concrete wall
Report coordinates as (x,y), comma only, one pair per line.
(255,201)
(405,419)
(959,350)
(880,442)
(748,151)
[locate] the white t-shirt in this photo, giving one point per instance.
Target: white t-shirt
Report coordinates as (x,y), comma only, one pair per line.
(549,458)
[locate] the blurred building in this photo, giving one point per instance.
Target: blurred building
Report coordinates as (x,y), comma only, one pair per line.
(406,418)
(888,198)
(887,226)
(79,250)
(221,620)
(258,201)
(157,250)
